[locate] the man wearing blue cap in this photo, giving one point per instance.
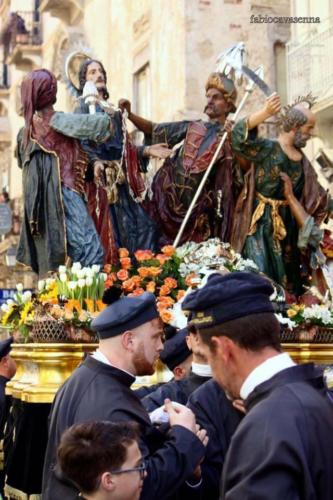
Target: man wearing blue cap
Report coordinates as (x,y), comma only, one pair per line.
(181,344)
(7,372)
(283,448)
(130,342)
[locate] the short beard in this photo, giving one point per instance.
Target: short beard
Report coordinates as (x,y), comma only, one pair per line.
(141,364)
(300,140)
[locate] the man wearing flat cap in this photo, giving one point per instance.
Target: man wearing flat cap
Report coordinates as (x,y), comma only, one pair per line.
(181,344)
(176,182)
(283,448)
(130,342)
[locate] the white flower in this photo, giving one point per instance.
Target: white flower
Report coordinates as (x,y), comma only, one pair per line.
(95,268)
(72,285)
(80,274)
(26,296)
(62,269)
(76,266)
(89,272)
(19,287)
(63,277)
(50,281)
(81,283)
(179,319)
(103,276)
(5,307)
(89,281)
(41,285)
(285,321)
(10,302)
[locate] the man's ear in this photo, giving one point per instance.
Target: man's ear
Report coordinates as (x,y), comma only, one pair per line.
(127,340)
(107,481)
(223,347)
(178,371)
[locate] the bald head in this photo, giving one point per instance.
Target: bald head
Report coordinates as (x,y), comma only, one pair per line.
(299,122)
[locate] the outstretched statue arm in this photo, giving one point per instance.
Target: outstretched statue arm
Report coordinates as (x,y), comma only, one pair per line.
(271,108)
(140,123)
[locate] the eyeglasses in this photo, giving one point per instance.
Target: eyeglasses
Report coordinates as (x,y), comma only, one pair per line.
(140,468)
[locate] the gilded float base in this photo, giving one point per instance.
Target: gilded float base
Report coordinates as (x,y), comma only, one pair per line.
(43,368)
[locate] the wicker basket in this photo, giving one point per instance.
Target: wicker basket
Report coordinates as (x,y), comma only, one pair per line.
(308,334)
(80,335)
(46,329)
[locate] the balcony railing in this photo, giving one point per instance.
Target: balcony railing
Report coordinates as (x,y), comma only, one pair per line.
(23,28)
(310,64)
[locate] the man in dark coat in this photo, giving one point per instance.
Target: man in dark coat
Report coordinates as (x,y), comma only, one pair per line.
(283,448)
(178,390)
(7,372)
(130,342)
(214,412)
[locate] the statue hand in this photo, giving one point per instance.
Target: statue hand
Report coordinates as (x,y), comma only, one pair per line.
(160,151)
(98,172)
(288,186)
(228,125)
(125,105)
(273,105)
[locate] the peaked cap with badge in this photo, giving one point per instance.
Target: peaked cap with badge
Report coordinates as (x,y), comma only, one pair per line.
(5,347)
(175,349)
(228,297)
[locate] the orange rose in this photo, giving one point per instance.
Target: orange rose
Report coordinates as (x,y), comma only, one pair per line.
(137,291)
(108,283)
(171,282)
(128,285)
(136,279)
(190,279)
(165,290)
(164,302)
(107,268)
(168,250)
(154,271)
(141,255)
(122,275)
(162,258)
(125,262)
(143,272)
(180,295)
(150,287)
(165,315)
(123,252)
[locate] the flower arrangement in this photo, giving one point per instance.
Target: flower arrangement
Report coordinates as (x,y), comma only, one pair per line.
(18,312)
(320,315)
(149,272)
(73,297)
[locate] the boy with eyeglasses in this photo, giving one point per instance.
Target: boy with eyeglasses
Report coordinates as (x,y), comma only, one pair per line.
(103,460)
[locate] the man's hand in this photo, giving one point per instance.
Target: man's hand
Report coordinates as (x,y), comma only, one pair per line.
(125,105)
(273,105)
(288,186)
(239,405)
(160,151)
(180,415)
(98,172)
(228,125)
(202,435)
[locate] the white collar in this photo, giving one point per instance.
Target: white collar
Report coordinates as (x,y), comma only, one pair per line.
(103,359)
(265,371)
(201,370)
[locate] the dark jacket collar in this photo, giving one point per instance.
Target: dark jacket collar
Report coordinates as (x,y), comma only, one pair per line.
(109,370)
(299,373)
